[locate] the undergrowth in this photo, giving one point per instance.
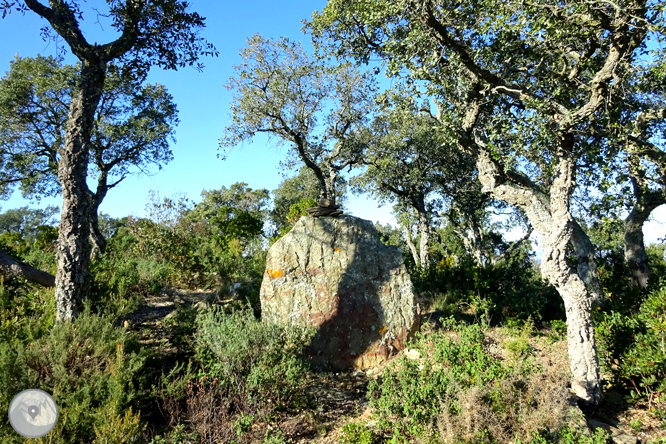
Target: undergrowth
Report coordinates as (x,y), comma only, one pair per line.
(458,392)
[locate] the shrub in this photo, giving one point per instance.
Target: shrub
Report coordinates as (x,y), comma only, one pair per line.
(257,361)
(569,436)
(91,368)
(631,346)
(242,369)
(27,312)
(357,433)
(514,289)
(460,393)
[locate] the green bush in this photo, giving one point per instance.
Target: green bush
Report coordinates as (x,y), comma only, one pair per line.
(242,369)
(257,361)
(512,289)
(27,311)
(458,392)
(569,436)
(631,346)
(357,433)
(91,368)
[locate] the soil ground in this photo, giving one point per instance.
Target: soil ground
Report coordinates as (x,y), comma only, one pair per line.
(340,398)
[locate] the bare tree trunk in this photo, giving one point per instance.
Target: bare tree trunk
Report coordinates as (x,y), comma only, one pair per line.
(73,254)
(13,267)
(329,192)
(578,301)
(647,198)
(477,244)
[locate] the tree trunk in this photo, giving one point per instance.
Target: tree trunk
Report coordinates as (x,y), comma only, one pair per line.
(551,218)
(410,244)
(329,192)
(73,254)
(586,264)
(634,243)
(96,237)
(97,240)
(578,300)
(424,232)
(12,267)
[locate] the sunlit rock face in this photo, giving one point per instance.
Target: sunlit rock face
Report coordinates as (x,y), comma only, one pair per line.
(335,274)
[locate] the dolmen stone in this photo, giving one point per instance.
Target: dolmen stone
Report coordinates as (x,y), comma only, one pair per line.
(334,273)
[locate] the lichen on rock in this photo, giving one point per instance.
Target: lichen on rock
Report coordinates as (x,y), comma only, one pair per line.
(336,275)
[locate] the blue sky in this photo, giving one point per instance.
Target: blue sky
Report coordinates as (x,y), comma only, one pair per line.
(202,101)
(203,105)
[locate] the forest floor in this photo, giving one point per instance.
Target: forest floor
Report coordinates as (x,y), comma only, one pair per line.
(340,398)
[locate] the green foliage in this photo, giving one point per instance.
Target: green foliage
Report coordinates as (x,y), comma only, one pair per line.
(311,103)
(357,433)
(27,311)
(569,436)
(631,345)
(91,368)
(26,237)
(274,437)
(256,362)
(242,370)
(303,185)
(27,222)
(519,347)
(296,211)
(460,392)
(134,125)
(510,289)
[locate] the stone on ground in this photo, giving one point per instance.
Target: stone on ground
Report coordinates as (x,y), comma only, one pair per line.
(336,275)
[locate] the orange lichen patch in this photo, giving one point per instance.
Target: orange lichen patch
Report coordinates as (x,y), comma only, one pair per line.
(337,250)
(382,330)
(274,273)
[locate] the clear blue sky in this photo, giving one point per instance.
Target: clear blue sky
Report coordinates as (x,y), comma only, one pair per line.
(202,101)
(203,106)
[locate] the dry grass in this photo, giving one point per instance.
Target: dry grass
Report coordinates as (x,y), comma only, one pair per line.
(518,408)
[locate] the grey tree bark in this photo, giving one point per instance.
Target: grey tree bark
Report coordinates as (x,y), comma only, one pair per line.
(549,214)
(13,267)
(73,253)
(410,244)
(647,198)
(424,233)
(551,218)
(634,243)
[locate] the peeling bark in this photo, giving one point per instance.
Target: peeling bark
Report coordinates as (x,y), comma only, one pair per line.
(13,267)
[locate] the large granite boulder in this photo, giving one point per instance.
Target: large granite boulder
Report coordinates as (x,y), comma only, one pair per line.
(335,274)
